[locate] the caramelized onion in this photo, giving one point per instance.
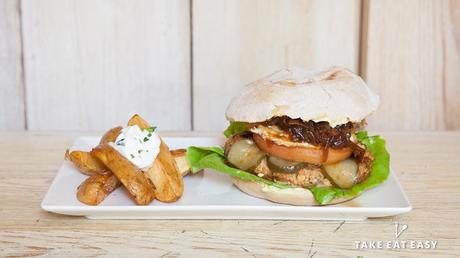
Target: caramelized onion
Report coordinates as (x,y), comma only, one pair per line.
(315,133)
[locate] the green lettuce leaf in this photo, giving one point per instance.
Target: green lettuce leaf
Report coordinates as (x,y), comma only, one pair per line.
(234,128)
(379,172)
(213,157)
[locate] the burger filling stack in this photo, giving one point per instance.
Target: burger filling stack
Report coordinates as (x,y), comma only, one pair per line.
(297,137)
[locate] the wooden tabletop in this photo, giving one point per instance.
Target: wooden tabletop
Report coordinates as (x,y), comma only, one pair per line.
(425,163)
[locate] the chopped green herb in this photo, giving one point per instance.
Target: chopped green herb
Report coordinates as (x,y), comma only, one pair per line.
(132,156)
(151,129)
(149,135)
(139,151)
(146,139)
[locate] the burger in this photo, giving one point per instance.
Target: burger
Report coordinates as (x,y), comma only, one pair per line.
(297,137)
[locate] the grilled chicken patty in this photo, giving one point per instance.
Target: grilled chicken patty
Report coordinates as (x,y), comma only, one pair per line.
(311,175)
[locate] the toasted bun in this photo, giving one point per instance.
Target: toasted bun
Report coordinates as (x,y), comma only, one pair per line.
(294,196)
(336,96)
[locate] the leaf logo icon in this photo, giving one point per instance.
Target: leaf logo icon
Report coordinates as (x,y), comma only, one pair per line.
(399,230)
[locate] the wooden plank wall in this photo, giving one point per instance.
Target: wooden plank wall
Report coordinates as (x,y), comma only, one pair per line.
(411,58)
(88,65)
(91,64)
(236,42)
(11,85)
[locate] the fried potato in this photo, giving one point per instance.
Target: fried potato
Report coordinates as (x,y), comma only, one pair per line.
(96,188)
(111,135)
(137,184)
(86,163)
(164,173)
(139,121)
(181,162)
(165,176)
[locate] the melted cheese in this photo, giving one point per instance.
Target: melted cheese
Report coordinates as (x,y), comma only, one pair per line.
(276,135)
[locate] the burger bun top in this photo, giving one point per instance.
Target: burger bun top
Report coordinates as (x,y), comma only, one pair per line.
(335,95)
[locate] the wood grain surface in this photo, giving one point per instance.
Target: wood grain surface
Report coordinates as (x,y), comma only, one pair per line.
(410,56)
(89,64)
(237,42)
(425,164)
(11,84)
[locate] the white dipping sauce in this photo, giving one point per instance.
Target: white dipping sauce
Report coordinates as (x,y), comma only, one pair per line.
(140,146)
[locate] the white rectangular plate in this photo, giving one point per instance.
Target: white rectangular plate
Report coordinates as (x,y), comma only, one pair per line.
(211,195)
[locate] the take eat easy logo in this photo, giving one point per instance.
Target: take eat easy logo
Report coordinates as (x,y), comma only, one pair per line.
(397,244)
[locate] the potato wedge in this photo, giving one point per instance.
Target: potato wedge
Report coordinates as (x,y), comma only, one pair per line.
(164,172)
(168,182)
(139,121)
(96,188)
(86,163)
(181,162)
(137,184)
(111,135)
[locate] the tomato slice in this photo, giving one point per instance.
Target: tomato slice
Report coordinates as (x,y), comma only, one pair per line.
(313,155)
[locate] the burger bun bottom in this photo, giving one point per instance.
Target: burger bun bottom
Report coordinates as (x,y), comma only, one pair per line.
(293,196)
